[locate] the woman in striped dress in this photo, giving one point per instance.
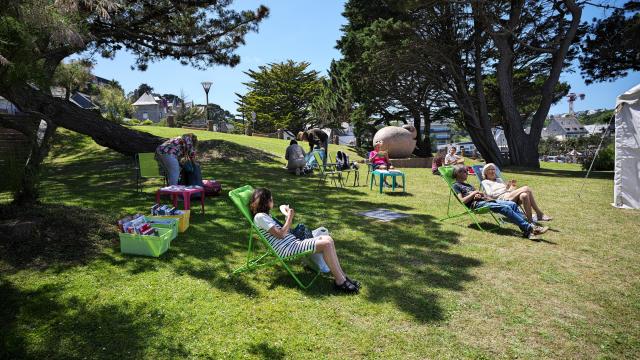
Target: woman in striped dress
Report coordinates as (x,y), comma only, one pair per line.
(286,244)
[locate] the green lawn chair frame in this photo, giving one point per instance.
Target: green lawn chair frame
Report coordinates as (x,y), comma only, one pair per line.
(334,175)
(146,168)
(241,197)
(447,177)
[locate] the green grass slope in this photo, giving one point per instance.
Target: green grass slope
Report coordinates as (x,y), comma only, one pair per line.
(431,289)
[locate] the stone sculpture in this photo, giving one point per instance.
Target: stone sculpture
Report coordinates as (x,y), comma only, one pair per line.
(399,142)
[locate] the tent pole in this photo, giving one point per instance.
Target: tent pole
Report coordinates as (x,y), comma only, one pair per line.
(604,135)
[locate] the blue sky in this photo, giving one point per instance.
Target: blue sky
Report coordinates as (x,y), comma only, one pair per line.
(302,30)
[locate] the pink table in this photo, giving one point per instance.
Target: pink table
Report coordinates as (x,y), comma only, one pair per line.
(186,192)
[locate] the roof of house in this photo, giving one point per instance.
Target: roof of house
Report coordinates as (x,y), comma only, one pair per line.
(596,128)
(82,100)
(145,99)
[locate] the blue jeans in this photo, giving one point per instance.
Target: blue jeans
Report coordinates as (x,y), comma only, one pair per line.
(510,210)
(172,166)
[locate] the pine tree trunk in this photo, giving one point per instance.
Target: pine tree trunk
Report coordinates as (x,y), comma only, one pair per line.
(483,140)
(421,149)
(523,151)
(27,192)
(88,122)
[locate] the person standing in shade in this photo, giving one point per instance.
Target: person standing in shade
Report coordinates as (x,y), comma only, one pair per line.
(295,157)
(170,152)
(316,137)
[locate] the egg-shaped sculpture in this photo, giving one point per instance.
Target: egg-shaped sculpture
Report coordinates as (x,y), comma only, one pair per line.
(399,142)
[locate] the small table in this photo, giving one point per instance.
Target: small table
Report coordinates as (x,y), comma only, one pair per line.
(383,174)
(185,191)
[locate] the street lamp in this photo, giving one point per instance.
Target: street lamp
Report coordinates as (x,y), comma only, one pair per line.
(206,85)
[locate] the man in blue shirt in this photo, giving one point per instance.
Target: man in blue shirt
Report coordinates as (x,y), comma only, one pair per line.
(475,199)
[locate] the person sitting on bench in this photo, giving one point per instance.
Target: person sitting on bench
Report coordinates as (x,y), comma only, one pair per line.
(475,199)
(287,244)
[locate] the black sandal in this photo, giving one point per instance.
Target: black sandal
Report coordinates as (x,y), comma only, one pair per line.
(346,287)
(354,282)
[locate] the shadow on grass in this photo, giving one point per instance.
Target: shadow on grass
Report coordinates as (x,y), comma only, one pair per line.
(68,328)
(561,173)
(266,351)
(58,235)
(227,151)
(404,262)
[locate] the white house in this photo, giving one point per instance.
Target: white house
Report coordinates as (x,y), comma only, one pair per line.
(147,108)
(564,127)
(597,129)
(501,139)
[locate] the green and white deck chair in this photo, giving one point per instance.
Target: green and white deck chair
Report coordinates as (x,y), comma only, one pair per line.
(477,169)
(334,174)
(447,176)
(241,197)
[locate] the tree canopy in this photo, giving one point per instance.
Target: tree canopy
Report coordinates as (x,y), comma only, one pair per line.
(453,50)
(612,45)
(35,35)
(280,94)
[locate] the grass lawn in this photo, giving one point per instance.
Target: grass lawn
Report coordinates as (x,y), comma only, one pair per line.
(431,289)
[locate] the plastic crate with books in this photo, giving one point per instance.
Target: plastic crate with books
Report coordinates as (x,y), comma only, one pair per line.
(167,212)
(139,237)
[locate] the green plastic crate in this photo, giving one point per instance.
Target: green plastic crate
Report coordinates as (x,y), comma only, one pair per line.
(173,225)
(146,245)
(183,219)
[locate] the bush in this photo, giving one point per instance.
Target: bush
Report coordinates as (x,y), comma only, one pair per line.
(147,122)
(134,122)
(604,161)
(162,122)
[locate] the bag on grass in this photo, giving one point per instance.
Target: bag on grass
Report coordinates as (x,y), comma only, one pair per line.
(212,187)
(342,161)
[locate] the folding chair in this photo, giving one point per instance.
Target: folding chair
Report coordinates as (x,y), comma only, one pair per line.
(447,177)
(369,168)
(335,175)
(356,172)
(146,168)
(478,170)
(241,197)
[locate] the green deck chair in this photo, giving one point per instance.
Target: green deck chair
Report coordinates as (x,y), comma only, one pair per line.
(334,174)
(447,176)
(241,197)
(147,167)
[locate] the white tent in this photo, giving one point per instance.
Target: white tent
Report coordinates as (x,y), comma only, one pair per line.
(626,180)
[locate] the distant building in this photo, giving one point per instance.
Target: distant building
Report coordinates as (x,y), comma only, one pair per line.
(597,129)
(80,99)
(564,127)
(346,135)
(440,134)
(147,108)
(466,148)
(7,107)
(501,139)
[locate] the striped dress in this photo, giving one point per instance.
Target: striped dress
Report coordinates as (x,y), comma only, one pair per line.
(288,246)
